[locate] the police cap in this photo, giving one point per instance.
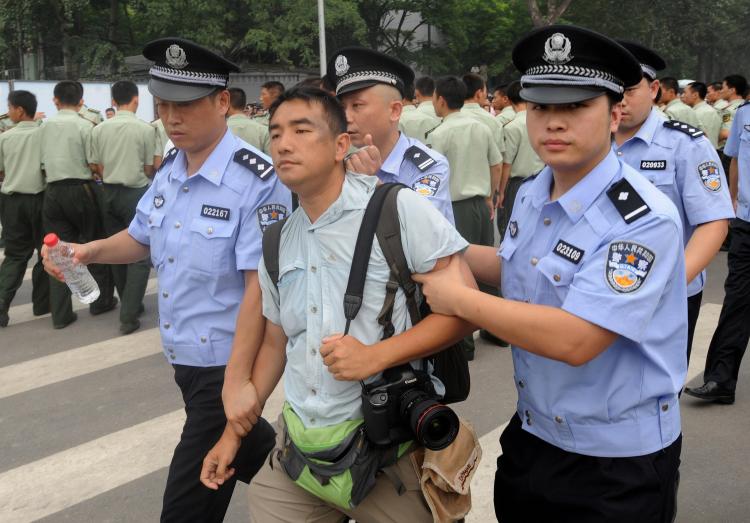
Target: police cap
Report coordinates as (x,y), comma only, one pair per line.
(354,68)
(649,59)
(565,64)
(184,71)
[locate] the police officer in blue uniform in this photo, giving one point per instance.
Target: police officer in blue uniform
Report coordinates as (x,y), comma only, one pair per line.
(681,162)
(731,336)
(201,221)
(593,273)
(371,87)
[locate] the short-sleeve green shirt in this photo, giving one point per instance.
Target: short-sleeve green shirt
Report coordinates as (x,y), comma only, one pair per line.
(710,122)
(21,159)
(66,146)
(252,131)
(123,145)
(494,126)
(160,137)
(727,116)
(416,124)
(522,158)
(506,115)
(680,111)
(427,108)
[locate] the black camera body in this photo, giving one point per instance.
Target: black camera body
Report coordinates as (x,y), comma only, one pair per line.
(403,406)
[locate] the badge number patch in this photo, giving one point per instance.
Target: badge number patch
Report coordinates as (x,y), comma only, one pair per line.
(220,213)
(270,214)
(710,176)
(628,265)
(426,185)
(653,165)
(570,252)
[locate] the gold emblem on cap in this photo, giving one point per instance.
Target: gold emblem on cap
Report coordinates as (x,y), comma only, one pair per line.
(342,65)
(176,58)
(557,49)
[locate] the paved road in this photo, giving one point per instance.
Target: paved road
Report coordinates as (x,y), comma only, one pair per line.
(88,421)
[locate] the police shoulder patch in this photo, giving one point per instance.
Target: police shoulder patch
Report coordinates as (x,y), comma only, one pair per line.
(426,185)
(167,159)
(271,213)
(683,127)
(710,176)
(628,265)
(419,157)
(627,201)
(261,167)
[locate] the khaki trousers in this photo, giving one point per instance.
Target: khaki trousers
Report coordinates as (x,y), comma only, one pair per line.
(275,498)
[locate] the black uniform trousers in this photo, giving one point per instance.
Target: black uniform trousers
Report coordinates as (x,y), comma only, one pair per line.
(71,210)
(21,215)
(538,483)
(186,499)
(732,333)
(693,309)
(119,204)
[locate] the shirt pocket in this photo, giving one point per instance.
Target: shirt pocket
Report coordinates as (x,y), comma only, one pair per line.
(157,237)
(292,297)
(556,275)
(212,245)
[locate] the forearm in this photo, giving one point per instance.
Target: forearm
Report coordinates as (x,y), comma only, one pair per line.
(484,263)
(496,176)
(734,177)
(267,370)
(703,246)
(505,177)
(120,248)
(249,331)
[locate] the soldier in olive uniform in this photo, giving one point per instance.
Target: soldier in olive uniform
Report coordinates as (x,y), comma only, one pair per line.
(709,118)
(21,205)
(269,91)
(123,150)
(476,97)
(502,105)
(424,87)
(733,90)
(676,109)
(160,142)
(243,127)
(71,209)
(413,122)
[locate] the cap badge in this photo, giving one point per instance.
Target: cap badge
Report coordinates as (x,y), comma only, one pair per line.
(557,49)
(342,65)
(176,58)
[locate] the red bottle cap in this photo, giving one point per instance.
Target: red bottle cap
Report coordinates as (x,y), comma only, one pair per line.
(51,240)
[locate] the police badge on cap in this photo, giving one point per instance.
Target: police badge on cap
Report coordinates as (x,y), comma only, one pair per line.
(355,68)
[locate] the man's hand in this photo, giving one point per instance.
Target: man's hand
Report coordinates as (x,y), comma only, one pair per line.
(347,358)
(241,405)
(367,160)
(441,287)
(215,470)
(490,206)
(82,253)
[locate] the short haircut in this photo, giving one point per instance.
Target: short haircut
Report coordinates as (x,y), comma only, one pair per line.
(332,108)
(23,99)
(716,86)
(68,92)
(409,92)
(310,81)
(502,89)
(124,91)
(425,85)
(473,83)
(738,83)
(513,92)
(276,87)
(670,83)
(237,98)
(453,91)
(108,109)
(700,88)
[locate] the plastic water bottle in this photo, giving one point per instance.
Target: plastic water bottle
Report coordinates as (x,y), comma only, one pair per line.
(77,276)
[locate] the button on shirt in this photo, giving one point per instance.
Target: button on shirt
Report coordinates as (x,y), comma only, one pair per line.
(624,401)
(687,170)
(432,183)
(738,146)
(201,239)
(314,263)
(20,159)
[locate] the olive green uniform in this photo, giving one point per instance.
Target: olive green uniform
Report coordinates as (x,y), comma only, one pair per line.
(682,112)
(251,131)
(160,136)
(22,195)
(494,125)
(71,207)
(427,108)
(123,145)
(727,116)
(710,122)
(415,123)
(92,115)
(720,105)
(506,115)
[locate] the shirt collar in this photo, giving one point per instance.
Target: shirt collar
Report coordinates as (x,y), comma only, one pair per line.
(426,103)
(673,102)
(472,106)
(392,164)
(355,194)
(214,166)
(26,124)
(237,116)
(127,114)
(648,129)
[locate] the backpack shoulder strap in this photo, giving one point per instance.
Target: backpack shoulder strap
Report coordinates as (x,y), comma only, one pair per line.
(271,245)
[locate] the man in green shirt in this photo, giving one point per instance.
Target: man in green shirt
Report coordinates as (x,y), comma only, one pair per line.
(123,152)
(502,105)
(269,91)
(413,122)
(674,108)
(424,88)
(708,117)
(160,142)
(71,209)
(713,97)
(21,200)
(476,98)
(733,89)
(243,127)
(475,164)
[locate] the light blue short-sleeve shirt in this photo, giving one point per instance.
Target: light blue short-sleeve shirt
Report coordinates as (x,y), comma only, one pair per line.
(579,254)
(738,146)
(204,231)
(314,263)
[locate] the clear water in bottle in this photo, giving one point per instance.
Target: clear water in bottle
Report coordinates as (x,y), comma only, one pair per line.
(78,278)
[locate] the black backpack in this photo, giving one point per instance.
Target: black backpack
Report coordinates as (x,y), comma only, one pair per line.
(381,217)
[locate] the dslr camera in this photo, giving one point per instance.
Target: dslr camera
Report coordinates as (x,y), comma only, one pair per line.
(402,406)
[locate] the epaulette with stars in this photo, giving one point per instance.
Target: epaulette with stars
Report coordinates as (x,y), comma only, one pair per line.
(261,167)
(419,157)
(684,127)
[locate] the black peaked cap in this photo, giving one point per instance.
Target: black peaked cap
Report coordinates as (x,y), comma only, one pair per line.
(354,68)
(650,60)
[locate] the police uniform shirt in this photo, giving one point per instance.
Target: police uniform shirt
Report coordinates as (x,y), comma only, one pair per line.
(615,260)
(314,263)
(124,144)
(727,115)
(686,169)
(427,108)
(496,129)
(506,116)
(417,124)
(250,131)
(471,150)
(20,159)
(738,146)
(160,138)
(710,122)
(518,151)
(203,231)
(680,111)
(66,146)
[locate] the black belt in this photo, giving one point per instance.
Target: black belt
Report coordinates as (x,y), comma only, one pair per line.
(69,181)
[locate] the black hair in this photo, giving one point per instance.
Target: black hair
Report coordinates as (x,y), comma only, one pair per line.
(670,82)
(68,92)
(425,85)
(716,86)
(273,85)
(409,92)
(124,91)
(473,83)
(738,83)
(237,98)
(453,91)
(332,108)
(108,109)
(700,88)
(513,92)
(25,100)
(502,89)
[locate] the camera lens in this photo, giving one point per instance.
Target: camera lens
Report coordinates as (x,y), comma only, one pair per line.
(434,425)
